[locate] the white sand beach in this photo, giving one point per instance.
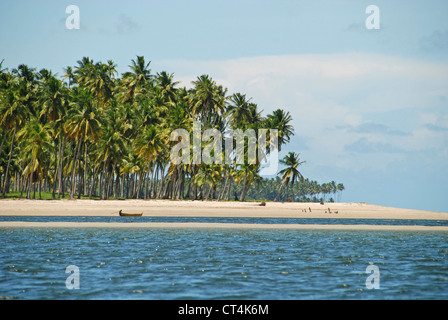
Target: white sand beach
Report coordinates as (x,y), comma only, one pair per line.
(170,208)
(210,209)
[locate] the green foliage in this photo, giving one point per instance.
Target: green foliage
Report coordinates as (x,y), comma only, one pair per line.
(99,135)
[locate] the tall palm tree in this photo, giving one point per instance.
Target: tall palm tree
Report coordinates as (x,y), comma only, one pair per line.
(167,85)
(290,174)
(246,175)
(37,142)
(18,106)
(207,100)
(340,187)
(69,75)
(101,81)
(53,98)
(281,120)
(147,145)
(83,124)
(137,81)
(238,110)
(8,85)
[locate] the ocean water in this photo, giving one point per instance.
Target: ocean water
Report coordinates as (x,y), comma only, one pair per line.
(402,222)
(229,264)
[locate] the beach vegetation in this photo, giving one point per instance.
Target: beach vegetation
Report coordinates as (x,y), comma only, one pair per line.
(94,133)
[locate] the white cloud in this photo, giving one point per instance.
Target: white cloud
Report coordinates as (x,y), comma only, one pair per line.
(329,94)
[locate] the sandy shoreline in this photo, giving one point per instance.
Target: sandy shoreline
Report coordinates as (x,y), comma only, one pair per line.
(210,209)
(167,208)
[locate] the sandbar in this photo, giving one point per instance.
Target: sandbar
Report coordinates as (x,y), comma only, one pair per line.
(186,208)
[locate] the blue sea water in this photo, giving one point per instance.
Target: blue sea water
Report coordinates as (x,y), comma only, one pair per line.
(402,222)
(276,264)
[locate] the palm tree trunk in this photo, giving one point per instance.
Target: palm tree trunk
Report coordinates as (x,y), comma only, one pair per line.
(75,159)
(9,161)
(3,142)
(84,180)
(152,190)
(222,192)
(94,178)
(146,180)
(280,189)
(243,192)
(228,189)
(208,192)
(61,168)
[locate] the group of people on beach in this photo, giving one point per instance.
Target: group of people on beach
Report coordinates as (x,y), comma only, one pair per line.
(326,211)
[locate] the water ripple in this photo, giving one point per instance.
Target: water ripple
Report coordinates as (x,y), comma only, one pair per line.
(221,264)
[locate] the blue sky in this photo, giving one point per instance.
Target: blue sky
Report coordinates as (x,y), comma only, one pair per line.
(370,107)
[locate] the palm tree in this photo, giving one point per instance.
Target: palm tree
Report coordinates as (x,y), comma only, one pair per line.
(238,110)
(281,121)
(101,81)
(207,100)
(246,175)
(69,75)
(53,98)
(8,85)
(290,174)
(37,140)
(137,81)
(167,86)
(340,187)
(147,145)
(17,106)
(82,125)
(110,132)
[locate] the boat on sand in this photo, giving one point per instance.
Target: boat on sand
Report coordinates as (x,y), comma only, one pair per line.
(123,214)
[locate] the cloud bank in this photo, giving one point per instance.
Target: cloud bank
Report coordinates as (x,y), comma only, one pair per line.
(342,100)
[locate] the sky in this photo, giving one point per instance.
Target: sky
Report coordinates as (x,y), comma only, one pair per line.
(369,106)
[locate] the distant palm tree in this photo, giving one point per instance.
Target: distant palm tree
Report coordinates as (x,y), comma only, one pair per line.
(53,99)
(290,174)
(19,105)
(207,100)
(92,129)
(136,82)
(38,145)
(167,86)
(83,124)
(281,120)
(239,109)
(147,145)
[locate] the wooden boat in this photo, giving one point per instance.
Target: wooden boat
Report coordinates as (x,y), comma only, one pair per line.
(123,214)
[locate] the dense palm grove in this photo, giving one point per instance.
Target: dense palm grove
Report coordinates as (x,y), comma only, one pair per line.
(96,134)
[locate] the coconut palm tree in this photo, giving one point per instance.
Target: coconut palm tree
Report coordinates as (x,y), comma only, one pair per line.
(238,110)
(147,145)
(246,175)
(37,141)
(69,75)
(340,187)
(53,99)
(280,120)
(18,106)
(208,100)
(167,86)
(83,125)
(136,82)
(290,174)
